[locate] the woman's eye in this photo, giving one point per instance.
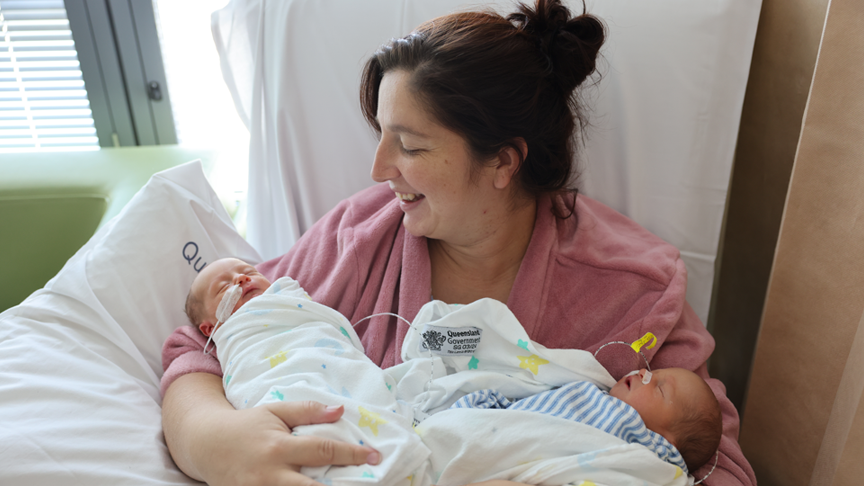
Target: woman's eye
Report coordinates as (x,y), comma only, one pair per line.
(409,152)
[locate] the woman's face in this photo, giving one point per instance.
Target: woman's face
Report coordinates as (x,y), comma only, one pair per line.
(429,168)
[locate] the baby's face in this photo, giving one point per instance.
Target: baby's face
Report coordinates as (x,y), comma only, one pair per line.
(216,278)
(663,400)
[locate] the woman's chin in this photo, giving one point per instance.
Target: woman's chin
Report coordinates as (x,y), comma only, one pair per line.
(417,226)
(414,230)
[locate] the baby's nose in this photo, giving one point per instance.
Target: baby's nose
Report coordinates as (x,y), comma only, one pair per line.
(241,278)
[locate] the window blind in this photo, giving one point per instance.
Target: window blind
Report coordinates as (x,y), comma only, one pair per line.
(43,102)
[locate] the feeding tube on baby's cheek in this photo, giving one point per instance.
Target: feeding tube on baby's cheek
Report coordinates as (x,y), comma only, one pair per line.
(647,378)
(225,309)
(229,300)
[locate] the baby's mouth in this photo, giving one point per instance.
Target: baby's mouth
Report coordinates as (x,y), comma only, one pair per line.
(250,293)
(408,197)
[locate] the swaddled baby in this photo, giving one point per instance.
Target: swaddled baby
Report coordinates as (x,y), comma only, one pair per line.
(673,402)
(677,407)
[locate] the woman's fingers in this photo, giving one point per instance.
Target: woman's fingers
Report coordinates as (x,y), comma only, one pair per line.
(225,447)
(305,413)
(315,451)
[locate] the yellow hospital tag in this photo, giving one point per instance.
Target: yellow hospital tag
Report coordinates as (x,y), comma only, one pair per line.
(638,344)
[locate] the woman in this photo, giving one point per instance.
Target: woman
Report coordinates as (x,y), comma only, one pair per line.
(476,115)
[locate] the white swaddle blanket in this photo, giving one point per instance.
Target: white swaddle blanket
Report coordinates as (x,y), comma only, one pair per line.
(281,345)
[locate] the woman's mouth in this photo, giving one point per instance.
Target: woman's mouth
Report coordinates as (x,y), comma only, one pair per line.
(406,197)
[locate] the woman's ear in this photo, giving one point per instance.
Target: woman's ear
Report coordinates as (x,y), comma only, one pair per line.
(206,328)
(508,162)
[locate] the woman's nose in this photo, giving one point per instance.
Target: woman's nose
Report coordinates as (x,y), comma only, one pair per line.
(383,168)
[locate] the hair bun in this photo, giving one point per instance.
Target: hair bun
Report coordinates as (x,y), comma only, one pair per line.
(570,45)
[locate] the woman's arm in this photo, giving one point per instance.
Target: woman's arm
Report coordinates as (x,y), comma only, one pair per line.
(211,441)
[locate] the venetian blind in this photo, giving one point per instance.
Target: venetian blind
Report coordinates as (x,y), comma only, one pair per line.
(43,102)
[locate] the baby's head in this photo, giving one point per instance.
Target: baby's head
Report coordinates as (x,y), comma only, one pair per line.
(210,286)
(680,406)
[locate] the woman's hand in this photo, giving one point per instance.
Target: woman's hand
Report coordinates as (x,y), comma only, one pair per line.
(212,442)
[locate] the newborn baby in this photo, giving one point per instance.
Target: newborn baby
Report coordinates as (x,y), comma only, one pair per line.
(674,403)
(211,285)
(679,405)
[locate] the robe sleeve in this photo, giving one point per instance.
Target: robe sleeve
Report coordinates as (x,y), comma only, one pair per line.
(183,352)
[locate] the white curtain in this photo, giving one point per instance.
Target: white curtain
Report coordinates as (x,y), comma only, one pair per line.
(664,116)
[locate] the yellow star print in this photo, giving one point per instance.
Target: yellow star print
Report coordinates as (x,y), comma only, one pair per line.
(370,419)
(277,358)
(532,363)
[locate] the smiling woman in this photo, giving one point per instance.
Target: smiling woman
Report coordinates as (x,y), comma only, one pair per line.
(462,73)
(477,115)
(426,165)
(468,143)
(469,209)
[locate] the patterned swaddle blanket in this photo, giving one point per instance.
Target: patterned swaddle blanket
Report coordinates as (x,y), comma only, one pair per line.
(282,345)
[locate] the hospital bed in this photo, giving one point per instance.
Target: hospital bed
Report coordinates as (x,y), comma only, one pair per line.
(80,358)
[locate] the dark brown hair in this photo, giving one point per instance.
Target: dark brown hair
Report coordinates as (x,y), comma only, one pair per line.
(493,80)
(698,431)
(194,308)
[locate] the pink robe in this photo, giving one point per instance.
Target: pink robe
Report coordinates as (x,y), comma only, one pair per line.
(584,281)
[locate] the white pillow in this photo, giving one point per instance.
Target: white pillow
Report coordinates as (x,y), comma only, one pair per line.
(80,360)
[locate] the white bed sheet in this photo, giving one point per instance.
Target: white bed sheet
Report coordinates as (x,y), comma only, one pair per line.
(665,114)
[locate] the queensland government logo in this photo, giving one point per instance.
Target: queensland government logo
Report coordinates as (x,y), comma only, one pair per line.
(433,340)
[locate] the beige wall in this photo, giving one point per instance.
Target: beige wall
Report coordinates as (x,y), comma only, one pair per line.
(803,422)
(787,42)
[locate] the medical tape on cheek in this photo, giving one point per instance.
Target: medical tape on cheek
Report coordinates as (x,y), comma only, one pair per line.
(225,309)
(229,300)
(647,378)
